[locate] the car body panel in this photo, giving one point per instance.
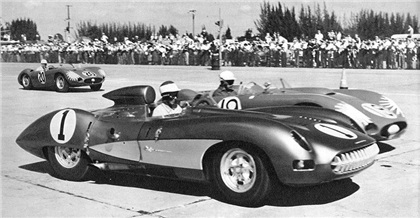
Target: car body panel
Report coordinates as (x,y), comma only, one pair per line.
(125,137)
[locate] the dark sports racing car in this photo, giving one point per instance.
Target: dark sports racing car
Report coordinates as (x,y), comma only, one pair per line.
(241,153)
(379,116)
(61,78)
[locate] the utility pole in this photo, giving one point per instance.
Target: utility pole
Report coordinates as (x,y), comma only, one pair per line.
(68,22)
(220,37)
(192,11)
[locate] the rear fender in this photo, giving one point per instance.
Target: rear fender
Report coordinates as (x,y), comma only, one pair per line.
(67,127)
(25,71)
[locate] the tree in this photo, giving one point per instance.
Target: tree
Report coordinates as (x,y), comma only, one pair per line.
(263,23)
(23,27)
(228,34)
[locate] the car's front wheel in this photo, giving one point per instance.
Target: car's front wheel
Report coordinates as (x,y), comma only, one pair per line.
(68,163)
(240,175)
(26,81)
(96,87)
(61,84)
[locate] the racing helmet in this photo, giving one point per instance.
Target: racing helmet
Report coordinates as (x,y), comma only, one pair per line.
(43,61)
(168,87)
(227,75)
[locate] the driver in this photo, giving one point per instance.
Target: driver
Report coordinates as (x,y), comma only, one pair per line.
(43,67)
(226,83)
(169,91)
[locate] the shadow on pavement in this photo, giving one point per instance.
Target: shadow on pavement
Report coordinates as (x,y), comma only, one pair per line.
(39,167)
(282,196)
(312,195)
(383,147)
(71,90)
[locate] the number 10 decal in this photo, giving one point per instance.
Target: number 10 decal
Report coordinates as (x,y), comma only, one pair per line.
(232,103)
(63,125)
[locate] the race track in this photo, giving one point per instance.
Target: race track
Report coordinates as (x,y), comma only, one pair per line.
(390,188)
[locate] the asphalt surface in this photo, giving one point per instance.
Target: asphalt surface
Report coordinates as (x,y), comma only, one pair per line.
(390,188)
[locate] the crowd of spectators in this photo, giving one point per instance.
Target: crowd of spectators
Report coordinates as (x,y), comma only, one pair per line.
(331,51)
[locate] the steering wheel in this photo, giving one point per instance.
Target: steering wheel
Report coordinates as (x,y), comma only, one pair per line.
(203,102)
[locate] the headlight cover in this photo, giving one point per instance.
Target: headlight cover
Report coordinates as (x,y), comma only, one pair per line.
(71,75)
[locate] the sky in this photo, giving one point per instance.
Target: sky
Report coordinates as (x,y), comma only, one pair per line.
(239,15)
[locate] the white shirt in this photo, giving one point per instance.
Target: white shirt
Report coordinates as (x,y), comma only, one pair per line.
(164,109)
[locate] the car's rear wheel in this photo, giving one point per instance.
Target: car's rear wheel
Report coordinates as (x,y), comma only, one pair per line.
(61,84)
(26,81)
(240,175)
(96,87)
(68,163)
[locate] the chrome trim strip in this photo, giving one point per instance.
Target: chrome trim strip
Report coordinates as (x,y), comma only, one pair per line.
(183,153)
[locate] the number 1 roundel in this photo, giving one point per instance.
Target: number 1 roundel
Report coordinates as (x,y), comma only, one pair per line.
(62,125)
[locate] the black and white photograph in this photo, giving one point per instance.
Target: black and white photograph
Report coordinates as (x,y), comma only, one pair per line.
(236,108)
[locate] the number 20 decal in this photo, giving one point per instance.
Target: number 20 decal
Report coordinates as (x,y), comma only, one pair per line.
(63,125)
(41,77)
(232,103)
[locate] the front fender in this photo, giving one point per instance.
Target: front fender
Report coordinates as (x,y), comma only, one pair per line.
(67,127)
(374,98)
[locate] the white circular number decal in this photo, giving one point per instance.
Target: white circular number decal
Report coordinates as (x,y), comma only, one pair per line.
(379,110)
(41,77)
(231,103)
(89,74)
(336,131)
(62,125)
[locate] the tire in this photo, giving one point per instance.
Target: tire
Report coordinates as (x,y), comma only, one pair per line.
(240,175)
(26,82)
(96,87)
(68,163)
(61,84)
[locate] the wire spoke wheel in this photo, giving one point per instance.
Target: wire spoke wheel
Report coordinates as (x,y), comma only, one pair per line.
(61,84)
(26,81)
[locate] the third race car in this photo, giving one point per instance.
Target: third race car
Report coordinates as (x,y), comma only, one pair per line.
(61,78)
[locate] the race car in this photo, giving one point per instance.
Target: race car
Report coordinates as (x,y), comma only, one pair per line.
(379,116)
(243,154)
(61,78)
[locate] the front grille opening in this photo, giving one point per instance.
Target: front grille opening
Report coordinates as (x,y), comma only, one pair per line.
(354,160)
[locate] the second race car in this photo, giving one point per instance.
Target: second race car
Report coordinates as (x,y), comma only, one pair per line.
(61,78)
(379,116)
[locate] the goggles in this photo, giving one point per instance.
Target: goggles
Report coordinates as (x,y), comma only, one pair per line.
(171,95)
(229,82)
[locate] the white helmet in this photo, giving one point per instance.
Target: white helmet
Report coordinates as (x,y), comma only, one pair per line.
(43,61)
(227,75)
(168,87)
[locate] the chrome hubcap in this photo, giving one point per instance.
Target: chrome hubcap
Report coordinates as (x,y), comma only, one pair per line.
(25,81)
(67,157)
(238,170)
(60,82)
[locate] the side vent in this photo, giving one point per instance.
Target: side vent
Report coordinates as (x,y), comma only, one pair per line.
(300,140)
